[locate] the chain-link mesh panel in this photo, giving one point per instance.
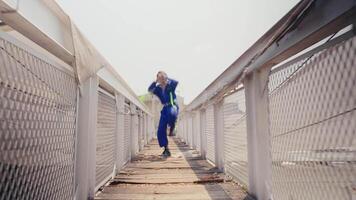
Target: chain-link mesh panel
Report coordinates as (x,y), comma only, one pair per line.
(37,127)
(313,126)
(196,131)
(134,134)
(142,130)
(190,130)
(120,130)
(139,128)
(203,132)
(210,134)
(145,129)
(184,134)
(105,137)
(235,137)
(127,133)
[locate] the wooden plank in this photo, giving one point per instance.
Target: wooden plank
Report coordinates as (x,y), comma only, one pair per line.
(168,188)
(185,175)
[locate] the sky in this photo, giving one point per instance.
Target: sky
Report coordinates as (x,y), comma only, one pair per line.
(194,41)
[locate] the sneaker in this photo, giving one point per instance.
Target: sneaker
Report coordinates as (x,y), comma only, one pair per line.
(166,153)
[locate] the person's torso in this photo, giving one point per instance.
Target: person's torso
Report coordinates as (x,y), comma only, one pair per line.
(167,95)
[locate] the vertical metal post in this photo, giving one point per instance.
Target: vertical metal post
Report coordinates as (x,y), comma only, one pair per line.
(86,139)
(219,135)
(258,137)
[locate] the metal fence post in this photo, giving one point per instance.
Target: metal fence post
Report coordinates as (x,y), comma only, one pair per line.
(86,144)
(258,137)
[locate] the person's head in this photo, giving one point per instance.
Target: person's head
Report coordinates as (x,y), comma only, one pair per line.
(162,78)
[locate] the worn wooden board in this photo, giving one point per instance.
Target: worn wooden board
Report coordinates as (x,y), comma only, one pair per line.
(184,175)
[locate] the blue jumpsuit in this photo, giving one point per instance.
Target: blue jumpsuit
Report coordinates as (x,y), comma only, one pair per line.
(169,113)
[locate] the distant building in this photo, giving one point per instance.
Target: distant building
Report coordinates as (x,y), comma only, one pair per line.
(155,106)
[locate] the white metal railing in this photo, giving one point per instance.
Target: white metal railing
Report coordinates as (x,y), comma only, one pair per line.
(61,136)
(288,105)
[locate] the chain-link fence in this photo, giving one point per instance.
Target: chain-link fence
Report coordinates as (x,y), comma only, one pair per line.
(39,127)
(312,125)
(235,136)
(105,137)
(289,129)
(38,102)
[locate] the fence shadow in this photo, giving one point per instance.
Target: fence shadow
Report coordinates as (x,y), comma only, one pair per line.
(213,178)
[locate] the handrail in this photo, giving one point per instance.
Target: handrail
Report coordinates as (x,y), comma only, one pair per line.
(27,26)
(282,41)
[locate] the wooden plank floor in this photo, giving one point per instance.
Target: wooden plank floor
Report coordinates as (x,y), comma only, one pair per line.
(184,175)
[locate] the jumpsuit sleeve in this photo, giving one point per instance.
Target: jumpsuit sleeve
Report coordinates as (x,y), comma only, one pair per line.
(173,84)
(153,88)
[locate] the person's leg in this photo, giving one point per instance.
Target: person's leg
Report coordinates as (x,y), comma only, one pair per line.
(172,126)
(162,135)
(162,131)
(172,118)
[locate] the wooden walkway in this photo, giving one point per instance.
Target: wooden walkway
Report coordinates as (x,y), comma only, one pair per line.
(184,175)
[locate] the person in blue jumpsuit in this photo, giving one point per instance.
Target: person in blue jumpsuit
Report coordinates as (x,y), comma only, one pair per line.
(164,88)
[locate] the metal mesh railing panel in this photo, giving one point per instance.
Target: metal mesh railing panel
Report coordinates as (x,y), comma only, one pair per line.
(127,133)
(210,134)
(105,138)
(235,137)
(190,131)
(313,127)
(37,126)
(120,152)
(196,131)
(134,134)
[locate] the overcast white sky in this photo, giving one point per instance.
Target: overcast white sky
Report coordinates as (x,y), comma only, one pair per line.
(192,40)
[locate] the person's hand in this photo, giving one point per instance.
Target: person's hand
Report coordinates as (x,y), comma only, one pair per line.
(159,79)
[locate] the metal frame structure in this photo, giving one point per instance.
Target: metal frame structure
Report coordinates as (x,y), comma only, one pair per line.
(54,44)
(299,34)
(53,47)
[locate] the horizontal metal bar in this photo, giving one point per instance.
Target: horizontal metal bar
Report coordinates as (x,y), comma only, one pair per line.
(318,19)
(36,53)
(104,91)
(110,78)
(311,52)
(324,19)
(55,40)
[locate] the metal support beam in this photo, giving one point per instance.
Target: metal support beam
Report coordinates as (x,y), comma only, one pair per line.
(288,37)
(43,22)
(86,140)
(111,78)
(258,138)
(322,20)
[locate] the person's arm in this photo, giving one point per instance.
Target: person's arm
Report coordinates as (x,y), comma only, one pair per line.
(173,83)
(153,88)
